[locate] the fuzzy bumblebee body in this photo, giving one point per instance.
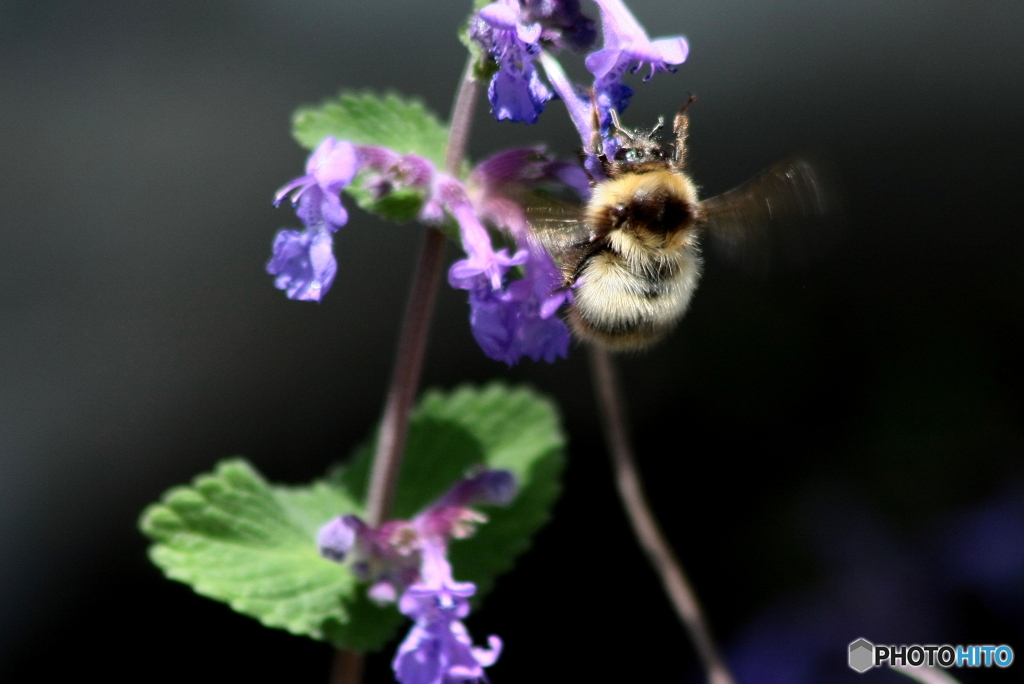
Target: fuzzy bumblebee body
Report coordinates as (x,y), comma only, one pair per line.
(631,254)
(637,283)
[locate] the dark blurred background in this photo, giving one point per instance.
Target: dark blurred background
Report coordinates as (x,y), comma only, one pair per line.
(835,450)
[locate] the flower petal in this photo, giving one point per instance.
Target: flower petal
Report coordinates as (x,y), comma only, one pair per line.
(672,50)
(500,15)
(487,657)
(334,214)
(601,62)
(333,163)
(516,92)
(303,263)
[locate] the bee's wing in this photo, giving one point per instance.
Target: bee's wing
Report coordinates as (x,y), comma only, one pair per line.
(788,211)
(562,231)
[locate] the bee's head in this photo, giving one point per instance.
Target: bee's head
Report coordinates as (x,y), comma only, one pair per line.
(634,151)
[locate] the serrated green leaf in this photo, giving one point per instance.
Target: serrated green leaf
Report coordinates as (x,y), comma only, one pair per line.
(403,125)
(237,539)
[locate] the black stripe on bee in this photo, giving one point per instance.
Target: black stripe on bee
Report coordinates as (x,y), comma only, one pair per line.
(657,212)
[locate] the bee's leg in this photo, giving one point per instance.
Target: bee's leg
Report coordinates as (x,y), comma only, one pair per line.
(681,127)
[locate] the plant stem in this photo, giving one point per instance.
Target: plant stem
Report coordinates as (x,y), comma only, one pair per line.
(645,525)
(347,667)
(412,343)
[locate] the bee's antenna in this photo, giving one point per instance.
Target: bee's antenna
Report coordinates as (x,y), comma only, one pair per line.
(596,145)
(619,127)
(658,126)
(681,127)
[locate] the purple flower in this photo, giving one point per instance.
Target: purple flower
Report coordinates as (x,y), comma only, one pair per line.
(516,92)
(517,320)
(508,324)
(303,263)
(438,649)
(483,260)
(625,44)
(392,553)
(411,557)
(509,320)
(330,168)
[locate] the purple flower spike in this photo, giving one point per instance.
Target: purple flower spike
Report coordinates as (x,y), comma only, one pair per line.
(330,168)
(516,92)
(516,320)
(410,558)
(303,263)
(438,649)
(625,44)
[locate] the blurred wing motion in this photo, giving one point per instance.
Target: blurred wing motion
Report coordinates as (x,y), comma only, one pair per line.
(560,229)
(788,212)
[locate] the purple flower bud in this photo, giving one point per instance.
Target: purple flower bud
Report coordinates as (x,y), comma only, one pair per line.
(562,22)
(625,44)
(337,538)
(518,320)
(516,92)
(303,263)
(330,168)
(486,487)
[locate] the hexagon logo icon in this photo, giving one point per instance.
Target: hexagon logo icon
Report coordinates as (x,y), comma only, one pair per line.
(862,655)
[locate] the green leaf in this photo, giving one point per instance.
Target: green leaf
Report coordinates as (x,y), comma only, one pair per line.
(403,125)
(235,538)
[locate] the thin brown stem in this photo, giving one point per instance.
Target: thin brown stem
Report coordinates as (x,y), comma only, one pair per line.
(412,346)
(412,343)
(645,525)
(347,667)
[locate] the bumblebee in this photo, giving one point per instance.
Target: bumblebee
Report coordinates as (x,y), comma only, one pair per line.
(632,253)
